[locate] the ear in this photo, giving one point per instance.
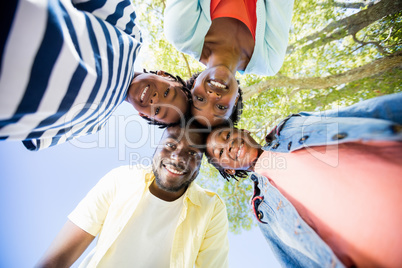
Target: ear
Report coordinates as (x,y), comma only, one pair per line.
(230,171)
(165,75)
(237,99)
(143,115)
(161,73)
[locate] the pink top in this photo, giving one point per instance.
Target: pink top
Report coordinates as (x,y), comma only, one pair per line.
(350,193)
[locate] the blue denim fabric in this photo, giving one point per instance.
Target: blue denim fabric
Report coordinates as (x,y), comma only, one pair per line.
(292,240)
(375,119)
(388,107)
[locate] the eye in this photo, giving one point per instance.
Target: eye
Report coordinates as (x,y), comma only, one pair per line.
(166,92)
(228,136)
(157,110)
(221,107)
(220,152)
(192,153)
(199,98)
(171,145)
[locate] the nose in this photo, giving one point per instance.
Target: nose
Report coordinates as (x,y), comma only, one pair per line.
(154,98)
(177,154)
(214,95)
(230,145)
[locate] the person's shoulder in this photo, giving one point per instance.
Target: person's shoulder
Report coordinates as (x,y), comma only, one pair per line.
(131,173)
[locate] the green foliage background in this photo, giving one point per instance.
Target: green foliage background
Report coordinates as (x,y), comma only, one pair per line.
(263,111)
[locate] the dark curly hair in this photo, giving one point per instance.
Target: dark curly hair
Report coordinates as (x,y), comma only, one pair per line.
(226,176)
(237,110)
(186,91)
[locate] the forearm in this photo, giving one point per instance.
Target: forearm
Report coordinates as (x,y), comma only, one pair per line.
(67,247)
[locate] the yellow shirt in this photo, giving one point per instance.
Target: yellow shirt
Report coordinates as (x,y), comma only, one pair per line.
(201,234)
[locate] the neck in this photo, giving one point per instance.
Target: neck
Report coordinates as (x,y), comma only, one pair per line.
(163,194)
(233,50)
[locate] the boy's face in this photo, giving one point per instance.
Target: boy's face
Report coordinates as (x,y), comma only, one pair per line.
(232,148)
(177,160)
(158,97)
(215,93)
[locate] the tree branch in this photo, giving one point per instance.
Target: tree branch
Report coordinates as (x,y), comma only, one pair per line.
(380,48)
(348,26)
(354,5)
(187,64)
(370,69)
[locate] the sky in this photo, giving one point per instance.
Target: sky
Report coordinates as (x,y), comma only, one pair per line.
(39,189)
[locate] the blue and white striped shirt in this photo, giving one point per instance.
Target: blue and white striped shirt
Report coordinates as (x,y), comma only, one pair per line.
(65,67)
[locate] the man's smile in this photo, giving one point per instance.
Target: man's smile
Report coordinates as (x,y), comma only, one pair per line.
(174,169)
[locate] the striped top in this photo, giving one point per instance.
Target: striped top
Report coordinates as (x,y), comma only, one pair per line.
(65,67)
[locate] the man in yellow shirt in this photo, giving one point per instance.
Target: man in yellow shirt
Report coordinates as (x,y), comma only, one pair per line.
(149,217)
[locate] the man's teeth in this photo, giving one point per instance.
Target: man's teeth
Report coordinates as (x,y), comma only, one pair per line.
(239,151)
(217,84)
(143,93)
(174,171)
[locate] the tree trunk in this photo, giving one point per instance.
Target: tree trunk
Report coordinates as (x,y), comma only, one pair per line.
(348,26)
(370,69)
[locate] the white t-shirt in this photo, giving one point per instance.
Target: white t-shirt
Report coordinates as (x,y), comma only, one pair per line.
(146,240)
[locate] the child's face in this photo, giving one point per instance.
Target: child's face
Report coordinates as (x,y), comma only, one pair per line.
(215,93)
(158,97)
(232,148)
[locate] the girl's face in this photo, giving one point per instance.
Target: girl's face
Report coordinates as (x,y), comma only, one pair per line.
(232,148)
(158,97)
(215,93)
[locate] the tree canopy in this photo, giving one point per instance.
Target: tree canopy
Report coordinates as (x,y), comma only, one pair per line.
(339,53)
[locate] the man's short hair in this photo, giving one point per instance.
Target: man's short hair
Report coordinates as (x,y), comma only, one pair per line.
(237,110)
(186,91)
(196,127)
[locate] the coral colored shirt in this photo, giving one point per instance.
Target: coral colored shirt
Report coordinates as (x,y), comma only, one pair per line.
(349,193)
(243,10)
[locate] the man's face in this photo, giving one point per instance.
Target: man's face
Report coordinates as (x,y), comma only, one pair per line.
(158,97)
(177,160)
(232,148)
(215,93)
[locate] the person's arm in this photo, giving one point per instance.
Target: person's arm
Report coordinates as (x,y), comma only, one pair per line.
(270,48)
(84,223)
(185,25)
(214,248)
(388,107)
(67,247)
(119,13)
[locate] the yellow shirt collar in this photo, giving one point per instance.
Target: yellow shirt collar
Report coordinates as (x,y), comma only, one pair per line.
(191,194)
